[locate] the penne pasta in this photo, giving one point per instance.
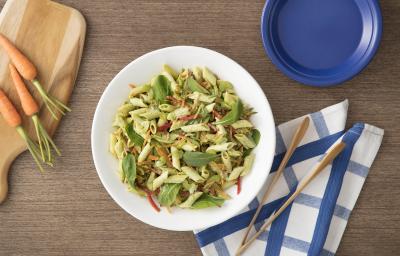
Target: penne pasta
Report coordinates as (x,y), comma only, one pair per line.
(176,163)
(196,128)
(145,152)
(235,173)
(191,199)
(242,124)
(157,182)
(220,147)
(178,178)
(245,141)
(248,163)
(226,159)
(192,174)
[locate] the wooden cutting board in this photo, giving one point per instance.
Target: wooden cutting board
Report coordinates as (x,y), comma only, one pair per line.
(52,36)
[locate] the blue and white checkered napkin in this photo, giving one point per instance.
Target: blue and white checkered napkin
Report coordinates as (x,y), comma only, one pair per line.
(314,224)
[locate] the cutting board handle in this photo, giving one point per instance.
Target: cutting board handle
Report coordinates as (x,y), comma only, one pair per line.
(5,162)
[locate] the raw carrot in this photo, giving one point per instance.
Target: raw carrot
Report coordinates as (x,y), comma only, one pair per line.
(8,111)
(28,71)
(153,158)
(163,153)
(28,103)
(24,66)
(12,117)
(31,109)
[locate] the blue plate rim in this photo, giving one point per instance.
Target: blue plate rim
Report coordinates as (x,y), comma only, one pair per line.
(308,80)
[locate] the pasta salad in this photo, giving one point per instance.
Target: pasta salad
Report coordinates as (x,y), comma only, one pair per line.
(184,138)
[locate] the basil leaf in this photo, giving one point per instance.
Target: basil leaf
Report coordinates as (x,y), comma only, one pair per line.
(198,159)
(255,135)
(129,169)
(206,201)
(135,138)
(168,193)
(232,115)
(161,88)
(194,86)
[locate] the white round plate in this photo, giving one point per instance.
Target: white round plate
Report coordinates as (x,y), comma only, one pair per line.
(141,71)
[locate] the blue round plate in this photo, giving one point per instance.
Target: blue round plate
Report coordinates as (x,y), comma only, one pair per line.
(321,42)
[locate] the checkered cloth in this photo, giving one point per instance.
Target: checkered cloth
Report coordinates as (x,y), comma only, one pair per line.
(315,222)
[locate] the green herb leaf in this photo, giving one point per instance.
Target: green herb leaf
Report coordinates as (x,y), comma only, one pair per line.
(168,193)
(232,115)
(198,159)
(135,138)
(161,88)
(206,201)
(129,169)
(194,86)
(256,135)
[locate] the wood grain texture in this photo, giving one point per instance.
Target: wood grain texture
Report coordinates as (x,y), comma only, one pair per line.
(68,212)
(51,35)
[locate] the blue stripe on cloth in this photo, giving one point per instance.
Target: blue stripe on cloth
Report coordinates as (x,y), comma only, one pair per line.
(341,212)
(333,187)
(278,227)
(308,200)
(234,224)
(280,143)
(320,124)
(290,177)
(326,253)
(241,221)
(307,151)
(358,169)
(295,244)
(315,202)
(221,248)
(253,204)
(263,236)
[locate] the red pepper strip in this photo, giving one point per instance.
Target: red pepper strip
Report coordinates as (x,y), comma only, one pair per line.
(151,201)
(164,127)
(189,117)
(239,186)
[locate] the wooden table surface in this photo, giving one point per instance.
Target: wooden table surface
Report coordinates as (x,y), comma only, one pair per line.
(68,212)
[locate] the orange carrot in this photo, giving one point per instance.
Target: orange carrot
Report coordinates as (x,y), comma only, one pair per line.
(153,158)
(31,109)
(28,103)
(28,71)
(24,66)
(8,111)
(163,153)
(12,117)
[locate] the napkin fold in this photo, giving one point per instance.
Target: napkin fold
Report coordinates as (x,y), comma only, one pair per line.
(315,222)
